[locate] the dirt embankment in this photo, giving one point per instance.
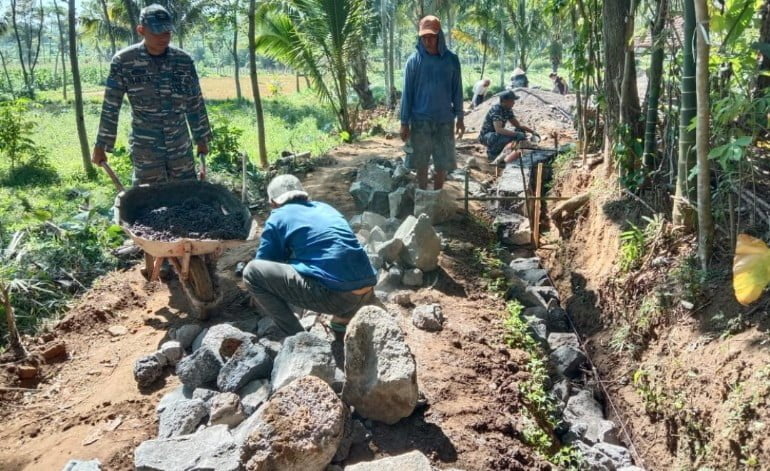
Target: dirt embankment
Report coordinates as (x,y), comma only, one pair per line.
(86,404)
(686,366)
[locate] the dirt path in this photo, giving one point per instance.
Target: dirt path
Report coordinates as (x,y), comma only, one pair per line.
(88,406)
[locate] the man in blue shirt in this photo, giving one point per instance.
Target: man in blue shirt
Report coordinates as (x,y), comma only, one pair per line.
(431,101)
(308,257)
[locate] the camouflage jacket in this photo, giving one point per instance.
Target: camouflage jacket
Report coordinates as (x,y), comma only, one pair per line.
(165,96)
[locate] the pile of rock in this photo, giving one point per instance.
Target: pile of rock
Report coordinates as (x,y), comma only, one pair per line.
(396,223)
(584,423)
(253,400)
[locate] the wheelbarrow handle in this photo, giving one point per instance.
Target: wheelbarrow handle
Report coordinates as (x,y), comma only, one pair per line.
(113,177)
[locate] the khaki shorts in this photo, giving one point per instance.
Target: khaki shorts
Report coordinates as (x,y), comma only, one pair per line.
(428,139)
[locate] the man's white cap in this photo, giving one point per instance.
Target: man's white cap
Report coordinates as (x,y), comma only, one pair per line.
(285,188)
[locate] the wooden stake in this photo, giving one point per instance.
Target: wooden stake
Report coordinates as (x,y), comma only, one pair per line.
(538,190)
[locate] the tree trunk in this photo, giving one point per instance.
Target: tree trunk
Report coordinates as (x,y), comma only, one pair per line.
(110,32)
(630,110)
(236,64)
(79,115)
(255,86)
(22,62)
(392,47)
(7,76)
(62,44)
(682,214)
(133,18)
(502,53)
(622,99)
(14,339)
(384,26)
(360,79)
(763,79)
(705,220)
(653,95)
(484,36)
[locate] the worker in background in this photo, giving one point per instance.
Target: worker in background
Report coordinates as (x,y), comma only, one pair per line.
(559,85)
(479,92)
(519,78)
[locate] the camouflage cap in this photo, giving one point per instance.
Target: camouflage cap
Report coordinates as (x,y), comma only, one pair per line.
(156,18)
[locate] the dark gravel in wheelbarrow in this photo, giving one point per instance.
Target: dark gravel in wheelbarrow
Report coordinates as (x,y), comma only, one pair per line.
(193,219)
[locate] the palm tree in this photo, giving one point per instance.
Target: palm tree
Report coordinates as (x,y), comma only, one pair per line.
(100,18)
(316,36)
(255,86)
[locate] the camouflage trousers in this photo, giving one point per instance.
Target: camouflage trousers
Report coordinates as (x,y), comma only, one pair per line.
(160,167)
(495,142)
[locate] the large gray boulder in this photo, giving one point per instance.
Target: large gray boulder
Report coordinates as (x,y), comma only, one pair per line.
(603,456)
(199,369)
(147,370)
(422,245)
(557,339)
(303,354)
(412,461)
(436,204)
(254,395)
(226,409)
(361,193)
(186,334)
(172,351)
(299,429)
(412,277)
(401,203)
(428,317)
(180,393)
(380,371)
(371,188)
(81,465)
(555,318)
(181,418)
(585,418)
(224,340)
(251,361)
(390,250)
(212,448)
(513,229)
(566,361)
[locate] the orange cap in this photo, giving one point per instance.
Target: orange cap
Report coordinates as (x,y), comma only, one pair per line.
(429,25)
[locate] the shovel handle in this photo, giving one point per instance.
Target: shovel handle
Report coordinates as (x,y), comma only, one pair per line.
(113,177)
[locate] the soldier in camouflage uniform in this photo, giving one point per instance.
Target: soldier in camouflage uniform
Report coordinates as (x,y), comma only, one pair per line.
(164,92)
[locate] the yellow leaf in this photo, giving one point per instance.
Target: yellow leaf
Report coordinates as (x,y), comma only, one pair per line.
(751,268)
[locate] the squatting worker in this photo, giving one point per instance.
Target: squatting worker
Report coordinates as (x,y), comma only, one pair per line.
(496,136)
(432,105)
(479,92)
(308,257)
(162,86)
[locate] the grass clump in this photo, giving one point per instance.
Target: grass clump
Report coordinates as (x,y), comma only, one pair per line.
(541,406)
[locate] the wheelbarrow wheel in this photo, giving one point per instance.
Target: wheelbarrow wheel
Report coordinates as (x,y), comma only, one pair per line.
(200,281)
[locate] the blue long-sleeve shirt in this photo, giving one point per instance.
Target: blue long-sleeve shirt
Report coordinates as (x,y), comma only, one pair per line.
(317,241)
(433,88)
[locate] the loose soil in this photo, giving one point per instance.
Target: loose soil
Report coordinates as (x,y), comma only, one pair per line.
(193,219)
(86,404)
(691,385)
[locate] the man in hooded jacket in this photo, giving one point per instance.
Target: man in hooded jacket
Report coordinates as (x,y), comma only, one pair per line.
(432,105)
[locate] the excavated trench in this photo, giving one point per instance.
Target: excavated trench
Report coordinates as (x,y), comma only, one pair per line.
(584,408)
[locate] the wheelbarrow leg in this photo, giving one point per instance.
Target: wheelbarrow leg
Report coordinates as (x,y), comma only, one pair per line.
(156,269)
(149,265)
